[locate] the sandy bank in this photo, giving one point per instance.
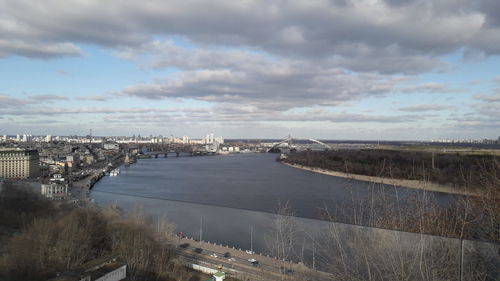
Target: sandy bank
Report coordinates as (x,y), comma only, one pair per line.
(414,184)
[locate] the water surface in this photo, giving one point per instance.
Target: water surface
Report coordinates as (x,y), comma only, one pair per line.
(230,194)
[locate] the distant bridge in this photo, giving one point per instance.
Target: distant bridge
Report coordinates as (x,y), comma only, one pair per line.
(289,143)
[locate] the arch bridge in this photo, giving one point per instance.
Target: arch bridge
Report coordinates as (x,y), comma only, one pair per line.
(289,143)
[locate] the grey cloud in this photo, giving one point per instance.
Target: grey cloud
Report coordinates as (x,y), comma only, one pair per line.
(94,98)
(7,101)
(407,37)
(355,56)
(246,114)
(428,88)
(484,116)
(47,98)
(472,55)
(388,59)
(245,120)
(218,114)
(475,82)
(354,118)
(488,110)
(495,97)
(47,122)
(37,49)
(399,3)
(490,8)
(94,110)
(161,54)
(279,86)
(477,126)
(426,107)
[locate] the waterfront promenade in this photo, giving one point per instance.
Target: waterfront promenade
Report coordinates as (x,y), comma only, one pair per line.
(81,188)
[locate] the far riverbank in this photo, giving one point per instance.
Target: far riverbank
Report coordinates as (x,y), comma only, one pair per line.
(413,184)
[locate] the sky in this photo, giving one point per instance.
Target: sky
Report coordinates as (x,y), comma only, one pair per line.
(336,69)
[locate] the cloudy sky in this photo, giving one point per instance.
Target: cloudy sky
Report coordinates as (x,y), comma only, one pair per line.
(331,69)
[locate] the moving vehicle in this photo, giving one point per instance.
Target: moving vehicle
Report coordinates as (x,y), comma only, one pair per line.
(254,262)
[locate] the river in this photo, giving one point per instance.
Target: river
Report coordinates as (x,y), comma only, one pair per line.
(230,196)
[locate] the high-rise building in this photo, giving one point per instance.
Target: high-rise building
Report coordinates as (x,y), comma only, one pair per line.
(26,138)
(48,138)
(219,140)
(19,163)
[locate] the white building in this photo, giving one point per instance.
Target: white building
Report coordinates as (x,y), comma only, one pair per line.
(111,146)
(57,178)
(48,138)
(211,139)
(55,191)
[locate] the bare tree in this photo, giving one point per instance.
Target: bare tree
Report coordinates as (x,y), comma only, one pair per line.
(281,241)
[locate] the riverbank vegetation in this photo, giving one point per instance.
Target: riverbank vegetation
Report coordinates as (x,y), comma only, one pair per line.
(468,217)
(466,229)
(453,169)
(39,239)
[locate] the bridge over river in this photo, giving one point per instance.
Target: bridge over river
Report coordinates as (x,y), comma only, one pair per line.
(298,144)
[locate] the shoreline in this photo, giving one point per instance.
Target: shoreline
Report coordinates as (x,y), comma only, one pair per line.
(413,184)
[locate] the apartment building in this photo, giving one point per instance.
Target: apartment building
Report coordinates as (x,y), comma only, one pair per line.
(19,163)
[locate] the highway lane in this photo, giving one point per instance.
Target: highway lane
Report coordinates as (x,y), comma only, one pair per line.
(240,267)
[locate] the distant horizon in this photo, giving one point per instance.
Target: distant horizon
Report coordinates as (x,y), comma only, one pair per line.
(262,139)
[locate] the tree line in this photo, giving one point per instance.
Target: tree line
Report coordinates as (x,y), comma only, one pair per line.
(466,217)
(453,169)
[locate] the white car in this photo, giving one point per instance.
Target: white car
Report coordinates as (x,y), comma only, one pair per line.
(214,255)
(231,259)
(249,252)
(252,260)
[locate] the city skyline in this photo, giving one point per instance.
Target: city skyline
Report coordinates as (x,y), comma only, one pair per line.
(209,138)
(388,70)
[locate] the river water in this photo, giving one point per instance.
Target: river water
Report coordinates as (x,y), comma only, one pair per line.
(231,197)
